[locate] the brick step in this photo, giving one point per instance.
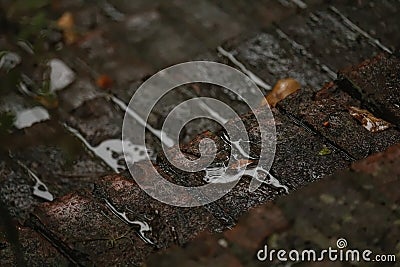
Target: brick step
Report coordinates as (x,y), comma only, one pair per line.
(327,113)
(360,204)
(376,83)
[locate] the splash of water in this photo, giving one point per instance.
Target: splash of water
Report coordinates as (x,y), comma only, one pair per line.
(221,174)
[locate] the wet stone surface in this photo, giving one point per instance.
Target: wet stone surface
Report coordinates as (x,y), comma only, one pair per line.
(30,243)
(81,91)
(204,18)
(234,247)
(293,143)
(97,120)
(271,58)
(351,204)
(376,82)
(328,39)
(90,231)
(47,152)
(112,47)
(383,12)
(169,225)
(16,191)
(297,163)
(327,112)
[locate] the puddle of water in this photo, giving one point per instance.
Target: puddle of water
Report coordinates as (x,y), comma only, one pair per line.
(221,174)
(39,189)
(143,226)
(112,153)
(60,75)
(28,117)
(237,146)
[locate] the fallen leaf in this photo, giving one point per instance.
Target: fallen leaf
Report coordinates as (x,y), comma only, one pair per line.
(368,120)
(325,151)
(66,21)
(326,124)
(104,81)
(281,90)
(67,24)
(48,101)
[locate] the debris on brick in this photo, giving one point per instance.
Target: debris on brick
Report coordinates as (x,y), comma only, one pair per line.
(281,90)
(368,120)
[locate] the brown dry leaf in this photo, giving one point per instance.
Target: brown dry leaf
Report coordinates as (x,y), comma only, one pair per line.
(104,81)
(67,24)
(48,102)
(368,120)
(281,90)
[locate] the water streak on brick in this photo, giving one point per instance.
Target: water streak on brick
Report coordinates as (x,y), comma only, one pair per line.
(162,136)
(143,226)
(238,64)
(39,189)
(354,27)
(303,51)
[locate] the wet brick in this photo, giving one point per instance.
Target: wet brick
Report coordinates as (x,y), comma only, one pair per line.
(272,58)
(170,225)
(16,191)
(97,120)
(350,204)
(71,168)
(260,14)
(326,112)
(328,39)
(376,82)
(36,250)
(381,23)
(297,163)
(204,19)
(89,232)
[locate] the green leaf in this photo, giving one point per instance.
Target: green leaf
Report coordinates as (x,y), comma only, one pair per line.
(325,151)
